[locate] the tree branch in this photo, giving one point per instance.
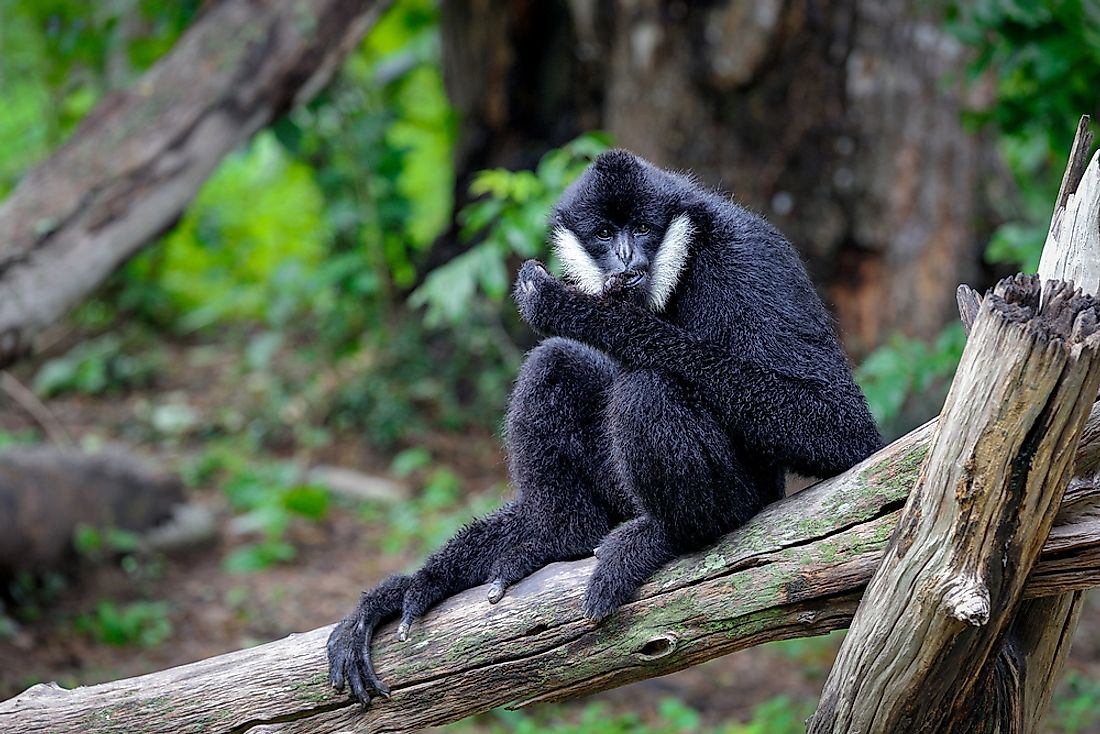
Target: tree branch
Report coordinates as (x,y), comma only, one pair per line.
(137,160)
(795,570)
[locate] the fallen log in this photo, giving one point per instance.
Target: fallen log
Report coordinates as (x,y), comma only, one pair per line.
(46,493)
(140,156)
(797,569)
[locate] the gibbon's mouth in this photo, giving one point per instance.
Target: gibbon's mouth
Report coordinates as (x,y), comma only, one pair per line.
(634,278)
(625,281)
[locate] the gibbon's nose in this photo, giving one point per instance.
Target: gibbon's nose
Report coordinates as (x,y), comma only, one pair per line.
(632,259)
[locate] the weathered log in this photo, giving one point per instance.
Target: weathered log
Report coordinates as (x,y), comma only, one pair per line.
(795,570)
(1019,683)
(972,528)
(136,161)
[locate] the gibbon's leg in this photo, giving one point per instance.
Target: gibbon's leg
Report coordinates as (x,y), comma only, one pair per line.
(566,501)
(559,459)
(461,563)
(686,475)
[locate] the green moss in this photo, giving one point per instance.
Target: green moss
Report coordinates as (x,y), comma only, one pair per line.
(895,478)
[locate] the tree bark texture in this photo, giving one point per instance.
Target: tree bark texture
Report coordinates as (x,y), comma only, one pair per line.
(971,531)
(137,160)
(840,121)
(797,569)
(983,662)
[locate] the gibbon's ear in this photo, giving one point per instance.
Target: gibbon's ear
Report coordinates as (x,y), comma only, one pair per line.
(580,269)
(669,262)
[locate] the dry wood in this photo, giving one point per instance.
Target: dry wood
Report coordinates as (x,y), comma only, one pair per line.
(1020,683)
(797,569)
(962,558)
(137,160)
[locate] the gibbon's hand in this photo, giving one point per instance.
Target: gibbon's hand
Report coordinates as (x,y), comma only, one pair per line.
(540,297)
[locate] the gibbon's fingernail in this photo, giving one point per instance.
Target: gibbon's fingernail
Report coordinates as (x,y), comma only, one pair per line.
(496,592)
(402,631)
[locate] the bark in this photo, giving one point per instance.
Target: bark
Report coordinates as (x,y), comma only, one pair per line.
(797,569)
(834,119)
(971,530)
(136,161)
(1020,682)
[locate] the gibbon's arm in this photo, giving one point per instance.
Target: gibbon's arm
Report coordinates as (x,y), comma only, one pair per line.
(812,425)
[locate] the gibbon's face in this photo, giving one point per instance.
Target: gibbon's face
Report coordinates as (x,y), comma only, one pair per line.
(618,233)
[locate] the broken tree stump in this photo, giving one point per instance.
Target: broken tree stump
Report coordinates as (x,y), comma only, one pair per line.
(943,642)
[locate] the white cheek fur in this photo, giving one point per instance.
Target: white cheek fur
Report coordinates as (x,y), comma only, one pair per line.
(580,269)
(669,263)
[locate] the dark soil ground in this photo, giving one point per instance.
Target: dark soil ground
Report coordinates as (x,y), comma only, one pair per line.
(212,611)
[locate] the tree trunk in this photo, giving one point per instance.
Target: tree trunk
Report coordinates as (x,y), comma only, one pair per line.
(971,531)
(797,569)
(831,118)
(136,161)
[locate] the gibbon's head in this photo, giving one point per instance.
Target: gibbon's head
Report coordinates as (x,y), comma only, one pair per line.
(620,230)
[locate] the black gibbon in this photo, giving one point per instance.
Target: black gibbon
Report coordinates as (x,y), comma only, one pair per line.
(688,365)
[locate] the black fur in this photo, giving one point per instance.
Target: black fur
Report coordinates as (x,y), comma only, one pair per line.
(647,434)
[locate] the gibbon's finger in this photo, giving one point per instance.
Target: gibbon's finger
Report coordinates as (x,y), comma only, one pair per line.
(368,667)
(337,654)
(358,685)
(496,591)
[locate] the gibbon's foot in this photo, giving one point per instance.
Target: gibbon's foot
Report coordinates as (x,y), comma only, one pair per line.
(628,556)
(349,643)
(606,592)
(496,591)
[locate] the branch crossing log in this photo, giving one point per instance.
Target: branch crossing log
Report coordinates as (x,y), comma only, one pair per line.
(973,527)
(961,554)
(137,160)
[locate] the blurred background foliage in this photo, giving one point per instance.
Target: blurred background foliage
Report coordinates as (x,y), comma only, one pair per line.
(1042,61)
(306,257)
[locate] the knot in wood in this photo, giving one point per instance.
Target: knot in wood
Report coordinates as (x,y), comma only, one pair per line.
(658,647)
(967,600)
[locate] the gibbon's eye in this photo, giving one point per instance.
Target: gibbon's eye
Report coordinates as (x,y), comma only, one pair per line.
(641,229)
(604,233)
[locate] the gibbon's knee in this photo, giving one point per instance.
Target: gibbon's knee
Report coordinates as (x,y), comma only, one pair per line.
(560,370)
(556,432)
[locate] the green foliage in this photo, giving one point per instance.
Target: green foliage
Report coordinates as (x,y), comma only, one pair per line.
(904,367)
(1076,705)
(266,495)
(244,248)
(435,512)
(59,57)
(96,367)
(21,437)
(92,542)
(780,715)
(510,219)
(144,623)
(1044,59)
